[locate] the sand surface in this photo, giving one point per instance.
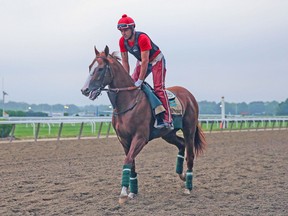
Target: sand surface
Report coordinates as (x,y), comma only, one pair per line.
(241,173)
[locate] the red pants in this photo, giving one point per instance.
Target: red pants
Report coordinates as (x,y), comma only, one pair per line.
(159,73)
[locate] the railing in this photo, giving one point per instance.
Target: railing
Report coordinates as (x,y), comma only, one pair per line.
(230,124)
(217,124)
(37,121)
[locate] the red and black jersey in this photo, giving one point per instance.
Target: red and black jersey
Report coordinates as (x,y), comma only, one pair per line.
(142,42)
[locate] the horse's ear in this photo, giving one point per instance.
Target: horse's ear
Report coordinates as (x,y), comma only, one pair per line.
(106,50)
(96,51)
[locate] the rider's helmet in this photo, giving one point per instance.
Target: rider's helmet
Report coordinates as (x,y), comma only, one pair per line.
(125,22)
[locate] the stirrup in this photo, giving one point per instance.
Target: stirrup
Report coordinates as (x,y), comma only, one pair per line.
(167,125)
(160,125)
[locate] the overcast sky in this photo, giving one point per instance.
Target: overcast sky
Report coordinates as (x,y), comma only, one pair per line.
(236,49)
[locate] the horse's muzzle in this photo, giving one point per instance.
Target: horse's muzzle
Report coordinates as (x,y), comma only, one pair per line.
(85,92)
(94,94)
(91,94)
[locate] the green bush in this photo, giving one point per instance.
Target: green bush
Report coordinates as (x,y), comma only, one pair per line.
(5,130)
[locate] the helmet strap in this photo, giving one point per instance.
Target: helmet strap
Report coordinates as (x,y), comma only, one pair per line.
(133,31)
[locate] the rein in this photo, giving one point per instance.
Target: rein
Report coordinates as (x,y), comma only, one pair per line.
(129,108)
(130,88)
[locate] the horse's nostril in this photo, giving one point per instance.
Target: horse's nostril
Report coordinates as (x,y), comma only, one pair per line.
(85,91)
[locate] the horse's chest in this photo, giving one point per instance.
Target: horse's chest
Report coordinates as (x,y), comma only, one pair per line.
(122,126)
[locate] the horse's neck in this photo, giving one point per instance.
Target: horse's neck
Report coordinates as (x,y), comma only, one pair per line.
(121,79)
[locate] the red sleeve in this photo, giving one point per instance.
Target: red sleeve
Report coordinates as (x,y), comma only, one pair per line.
(121,45)
(144,42)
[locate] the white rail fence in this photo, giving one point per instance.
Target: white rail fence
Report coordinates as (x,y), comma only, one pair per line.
(209,124)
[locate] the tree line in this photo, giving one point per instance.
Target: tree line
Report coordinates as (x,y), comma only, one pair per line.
(253,108)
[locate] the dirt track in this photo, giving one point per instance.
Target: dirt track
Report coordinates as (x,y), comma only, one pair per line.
(241,173)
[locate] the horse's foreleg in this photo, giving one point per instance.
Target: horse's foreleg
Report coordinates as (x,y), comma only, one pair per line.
(133,185)
(126,172)
(129,180)
(129,175)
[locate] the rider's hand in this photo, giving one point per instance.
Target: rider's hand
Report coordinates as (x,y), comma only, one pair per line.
(138,83)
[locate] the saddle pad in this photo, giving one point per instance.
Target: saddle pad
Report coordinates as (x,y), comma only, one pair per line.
(175,106)
(170,94)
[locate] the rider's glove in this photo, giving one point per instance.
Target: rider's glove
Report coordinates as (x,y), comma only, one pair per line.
(138,83)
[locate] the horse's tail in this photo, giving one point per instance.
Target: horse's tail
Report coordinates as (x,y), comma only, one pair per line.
(200,141)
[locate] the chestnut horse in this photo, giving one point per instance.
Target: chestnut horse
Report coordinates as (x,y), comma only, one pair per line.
(133,120)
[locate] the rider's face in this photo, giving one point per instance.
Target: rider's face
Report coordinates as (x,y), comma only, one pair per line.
(126,33)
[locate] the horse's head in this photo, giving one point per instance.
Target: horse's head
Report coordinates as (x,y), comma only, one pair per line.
(99,74)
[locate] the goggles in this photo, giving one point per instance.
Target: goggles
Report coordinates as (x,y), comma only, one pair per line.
(124,26)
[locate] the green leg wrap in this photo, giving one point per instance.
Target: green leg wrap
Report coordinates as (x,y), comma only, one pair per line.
(126,175)
(133,183)
(179,163)
(189,179)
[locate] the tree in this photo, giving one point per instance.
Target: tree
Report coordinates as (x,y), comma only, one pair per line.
(209,107)
(257,108)
(271,108)
(283,108)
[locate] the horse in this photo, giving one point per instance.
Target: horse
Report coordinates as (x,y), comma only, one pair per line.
(133,120)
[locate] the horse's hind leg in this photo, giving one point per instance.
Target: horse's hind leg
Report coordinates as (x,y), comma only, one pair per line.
(172,138)
(189,136)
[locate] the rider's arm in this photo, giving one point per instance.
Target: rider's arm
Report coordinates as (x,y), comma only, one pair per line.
(144,64)
(125,62)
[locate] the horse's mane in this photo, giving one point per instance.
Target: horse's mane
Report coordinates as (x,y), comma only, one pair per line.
(117,60)
(115,56)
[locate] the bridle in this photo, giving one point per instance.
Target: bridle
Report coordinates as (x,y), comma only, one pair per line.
(102,79)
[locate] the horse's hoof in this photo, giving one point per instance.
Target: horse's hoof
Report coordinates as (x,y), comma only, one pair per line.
(187,191)
(182,177)
(132,195)
(123,199)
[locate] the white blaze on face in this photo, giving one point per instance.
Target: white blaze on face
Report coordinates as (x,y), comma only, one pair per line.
(94,66)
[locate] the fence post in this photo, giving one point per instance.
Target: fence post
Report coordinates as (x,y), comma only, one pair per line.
(12,132)
(81,129)
(232,122)
(37,132)
(258,123)
(60,131)
(211,126)
(100,128)
(108,130)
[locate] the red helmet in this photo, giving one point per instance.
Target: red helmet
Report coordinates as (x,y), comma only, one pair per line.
(125,22)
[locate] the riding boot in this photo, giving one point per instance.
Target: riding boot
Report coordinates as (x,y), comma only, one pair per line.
(161,123)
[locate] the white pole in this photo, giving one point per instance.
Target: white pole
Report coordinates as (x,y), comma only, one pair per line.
(223,112)
(3,97)
(3,112)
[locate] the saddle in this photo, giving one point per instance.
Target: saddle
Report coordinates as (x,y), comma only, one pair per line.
(157,107)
